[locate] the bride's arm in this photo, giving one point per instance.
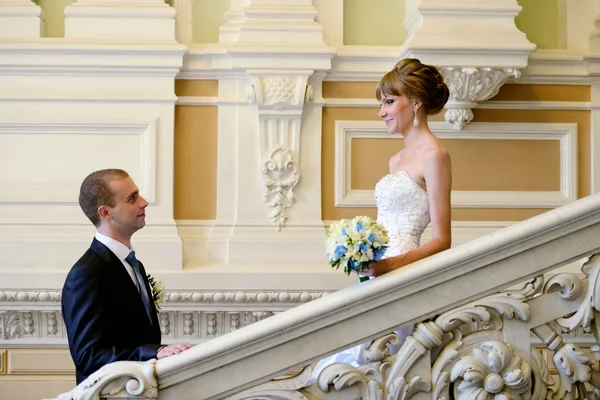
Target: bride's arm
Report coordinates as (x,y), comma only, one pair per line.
(438,177)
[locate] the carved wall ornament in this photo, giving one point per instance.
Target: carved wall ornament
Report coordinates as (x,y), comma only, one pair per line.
(493,369)
(52,324)
(280,100)
(10,327)
(188,324)
(165,324)
(470,86)
(118,379)
(211,324)
(280,176)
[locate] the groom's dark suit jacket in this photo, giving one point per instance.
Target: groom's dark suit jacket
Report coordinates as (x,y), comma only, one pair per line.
(104,314)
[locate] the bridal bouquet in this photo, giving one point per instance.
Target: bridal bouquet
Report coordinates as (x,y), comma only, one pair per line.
(354,243)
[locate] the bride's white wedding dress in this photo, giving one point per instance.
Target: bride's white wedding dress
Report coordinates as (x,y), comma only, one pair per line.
(403,209)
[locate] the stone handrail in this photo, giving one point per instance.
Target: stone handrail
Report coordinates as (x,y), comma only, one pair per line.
(306,333)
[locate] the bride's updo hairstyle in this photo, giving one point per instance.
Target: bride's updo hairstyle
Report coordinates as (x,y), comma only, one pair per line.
(416,81)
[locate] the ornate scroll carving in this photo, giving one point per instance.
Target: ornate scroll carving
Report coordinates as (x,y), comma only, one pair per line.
(280,176)
(118,379)
(469,86)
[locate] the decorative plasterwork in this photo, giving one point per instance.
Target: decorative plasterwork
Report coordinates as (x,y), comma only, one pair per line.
(280,97)
(470,86)
(566,134)
(33,317)
(175,298)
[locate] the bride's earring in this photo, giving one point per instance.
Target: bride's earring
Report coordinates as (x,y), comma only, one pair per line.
(416,119)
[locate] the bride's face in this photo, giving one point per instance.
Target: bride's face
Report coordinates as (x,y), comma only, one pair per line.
(397,113)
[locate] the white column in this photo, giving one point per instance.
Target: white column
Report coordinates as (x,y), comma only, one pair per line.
(184,21)
(20,19)
(116,19)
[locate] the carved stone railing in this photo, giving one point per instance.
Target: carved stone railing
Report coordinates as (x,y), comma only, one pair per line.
(240,364)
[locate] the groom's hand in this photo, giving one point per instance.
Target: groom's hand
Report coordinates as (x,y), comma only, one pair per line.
(172,349)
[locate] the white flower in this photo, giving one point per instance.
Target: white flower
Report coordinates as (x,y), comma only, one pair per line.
(158,291)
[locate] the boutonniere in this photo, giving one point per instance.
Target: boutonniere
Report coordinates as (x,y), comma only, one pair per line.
(158,291)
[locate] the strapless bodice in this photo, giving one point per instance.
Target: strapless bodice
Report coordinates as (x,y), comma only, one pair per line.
(403,209)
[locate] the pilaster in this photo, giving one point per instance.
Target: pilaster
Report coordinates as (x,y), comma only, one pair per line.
(269,168)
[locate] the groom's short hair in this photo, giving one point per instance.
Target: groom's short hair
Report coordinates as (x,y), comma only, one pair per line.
(95,191)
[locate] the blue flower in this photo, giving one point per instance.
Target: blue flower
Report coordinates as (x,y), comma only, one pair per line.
(372,237)
(340,251)
(354,265)
(359,227)
(344,233)
(378,254)
(363,247)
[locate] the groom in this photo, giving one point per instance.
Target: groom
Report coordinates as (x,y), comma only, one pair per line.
(106,299)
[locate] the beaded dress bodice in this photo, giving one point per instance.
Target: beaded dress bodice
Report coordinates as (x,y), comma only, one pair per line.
(403,209)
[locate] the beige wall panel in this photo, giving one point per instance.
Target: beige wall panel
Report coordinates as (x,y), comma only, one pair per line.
(581,118)
(189,87)
(330,115)
(516,92)
(380,153)
(40,362)
(196,134)
(349,90)
(477,165)
(33,389)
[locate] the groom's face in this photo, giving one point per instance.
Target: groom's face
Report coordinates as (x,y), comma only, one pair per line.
(129,212)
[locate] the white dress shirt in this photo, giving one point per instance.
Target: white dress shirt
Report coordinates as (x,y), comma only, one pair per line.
(119,250)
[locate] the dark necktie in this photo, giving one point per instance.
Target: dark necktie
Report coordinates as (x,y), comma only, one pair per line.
(141,283)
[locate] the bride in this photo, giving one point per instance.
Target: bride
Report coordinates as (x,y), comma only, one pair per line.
(417,189)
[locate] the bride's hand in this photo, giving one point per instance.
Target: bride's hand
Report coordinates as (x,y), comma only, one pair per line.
(378,268)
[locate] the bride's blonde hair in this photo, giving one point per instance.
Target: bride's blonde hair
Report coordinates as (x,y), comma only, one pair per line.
(416,81)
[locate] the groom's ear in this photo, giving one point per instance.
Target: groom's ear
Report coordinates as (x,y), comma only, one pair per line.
(104,212)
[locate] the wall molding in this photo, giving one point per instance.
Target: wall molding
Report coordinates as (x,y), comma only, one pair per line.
(370,63)
(67,193)
(346,131)
(500,105)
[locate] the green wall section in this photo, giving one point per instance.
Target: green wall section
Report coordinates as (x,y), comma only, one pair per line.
(54,17)
(540,21)
(374,22)
(379,22)
(208,16)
